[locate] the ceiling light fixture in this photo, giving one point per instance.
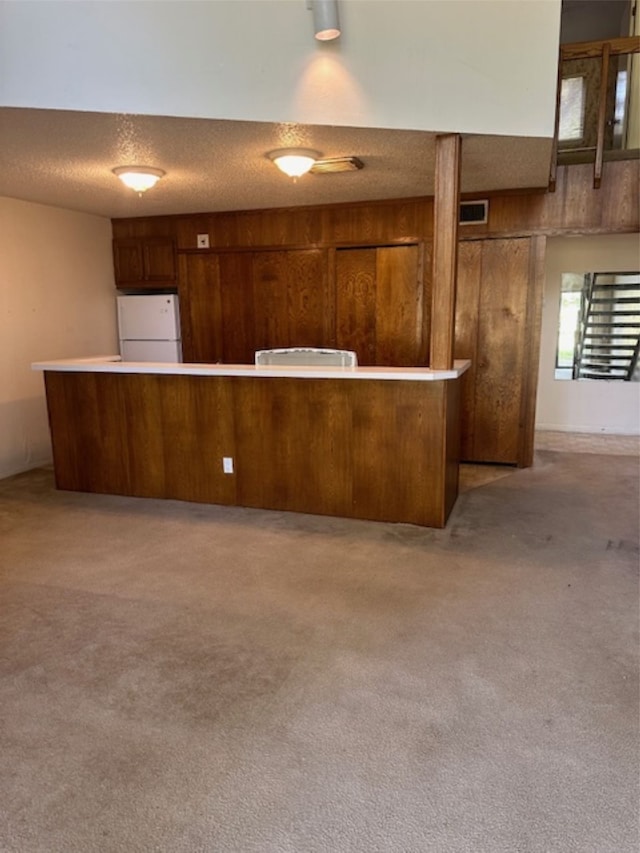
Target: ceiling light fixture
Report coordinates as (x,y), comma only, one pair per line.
(326,25)
(138,178)
(294,161)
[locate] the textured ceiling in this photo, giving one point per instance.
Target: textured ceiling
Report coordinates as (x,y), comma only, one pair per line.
(65,159)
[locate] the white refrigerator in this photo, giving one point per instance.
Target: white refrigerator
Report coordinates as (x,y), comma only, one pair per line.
(149,328)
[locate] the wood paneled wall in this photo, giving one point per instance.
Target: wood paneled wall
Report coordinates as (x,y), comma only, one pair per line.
(375,449)
(358,276)
(371,300)
(575,207)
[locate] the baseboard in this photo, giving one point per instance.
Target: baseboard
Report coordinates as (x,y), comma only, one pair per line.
(20,468)
(587,442)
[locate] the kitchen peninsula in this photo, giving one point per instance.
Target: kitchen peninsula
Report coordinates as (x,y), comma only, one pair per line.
(378,443)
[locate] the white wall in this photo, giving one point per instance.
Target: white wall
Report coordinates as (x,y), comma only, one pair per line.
(471,66)
(585,406)
(57,300)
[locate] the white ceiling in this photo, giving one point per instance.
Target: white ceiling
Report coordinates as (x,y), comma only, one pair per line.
(65,159)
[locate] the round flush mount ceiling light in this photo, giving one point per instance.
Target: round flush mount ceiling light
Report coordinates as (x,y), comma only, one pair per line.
(138,178)
(294,162)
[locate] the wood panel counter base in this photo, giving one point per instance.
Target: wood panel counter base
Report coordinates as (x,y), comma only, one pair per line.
(370,449)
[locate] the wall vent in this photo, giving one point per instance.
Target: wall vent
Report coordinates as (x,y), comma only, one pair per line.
(336,164)
(474,212)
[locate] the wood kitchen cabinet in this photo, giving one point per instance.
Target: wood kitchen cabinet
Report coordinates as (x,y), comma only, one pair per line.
(145,263)
(498,303)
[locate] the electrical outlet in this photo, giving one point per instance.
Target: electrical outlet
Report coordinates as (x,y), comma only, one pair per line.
(227,464)
(203,241)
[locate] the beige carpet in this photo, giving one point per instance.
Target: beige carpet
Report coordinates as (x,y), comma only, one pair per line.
(180,677)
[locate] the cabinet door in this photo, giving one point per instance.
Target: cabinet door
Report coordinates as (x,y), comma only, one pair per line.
(144,262)
(159,260)
(379,304)
(128,261)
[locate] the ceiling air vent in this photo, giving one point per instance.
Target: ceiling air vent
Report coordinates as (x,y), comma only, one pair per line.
(336,164)
(474,212)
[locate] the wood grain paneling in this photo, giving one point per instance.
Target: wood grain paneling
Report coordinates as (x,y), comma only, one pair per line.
(535,290)
(359,448)
(452,445)
(201,314)
(466,336)
(445,250)
(399,305)
(498,315)
(294,445)
(379,304)
(290,298)
(356,302)
(575,207)
(359,309)
(500,350)
(237,300)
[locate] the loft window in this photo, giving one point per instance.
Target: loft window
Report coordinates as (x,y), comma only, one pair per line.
(620,105)
(572,98)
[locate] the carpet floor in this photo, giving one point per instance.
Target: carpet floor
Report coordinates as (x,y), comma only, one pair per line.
(182,677)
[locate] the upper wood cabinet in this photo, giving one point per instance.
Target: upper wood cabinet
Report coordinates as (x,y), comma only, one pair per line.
(145,262)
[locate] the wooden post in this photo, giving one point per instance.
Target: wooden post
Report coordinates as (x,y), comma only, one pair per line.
(445,250)
(602,115)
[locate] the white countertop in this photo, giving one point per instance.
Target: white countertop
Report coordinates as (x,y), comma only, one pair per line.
(113,364)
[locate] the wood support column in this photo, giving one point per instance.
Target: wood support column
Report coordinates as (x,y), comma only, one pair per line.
(602,116)
(445,250)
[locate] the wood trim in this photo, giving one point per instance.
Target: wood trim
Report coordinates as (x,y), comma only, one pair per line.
(532,351)
(593,49)
(553,170)
(445,250)
(602,116)
(410,240)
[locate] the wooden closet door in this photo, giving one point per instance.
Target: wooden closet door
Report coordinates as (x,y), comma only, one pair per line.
(379,304)
(199,292)
(501,350)
(290,296)
(236,308)
(356,302)
(494,309)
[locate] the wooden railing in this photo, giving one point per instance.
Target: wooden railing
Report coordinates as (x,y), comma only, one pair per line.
(602,50)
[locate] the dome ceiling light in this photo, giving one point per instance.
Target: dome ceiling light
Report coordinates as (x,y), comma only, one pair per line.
(139,178)
(294,162)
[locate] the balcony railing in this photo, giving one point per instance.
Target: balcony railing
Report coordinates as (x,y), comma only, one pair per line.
(598,104)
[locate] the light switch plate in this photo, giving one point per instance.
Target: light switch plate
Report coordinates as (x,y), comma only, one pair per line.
(203,241)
